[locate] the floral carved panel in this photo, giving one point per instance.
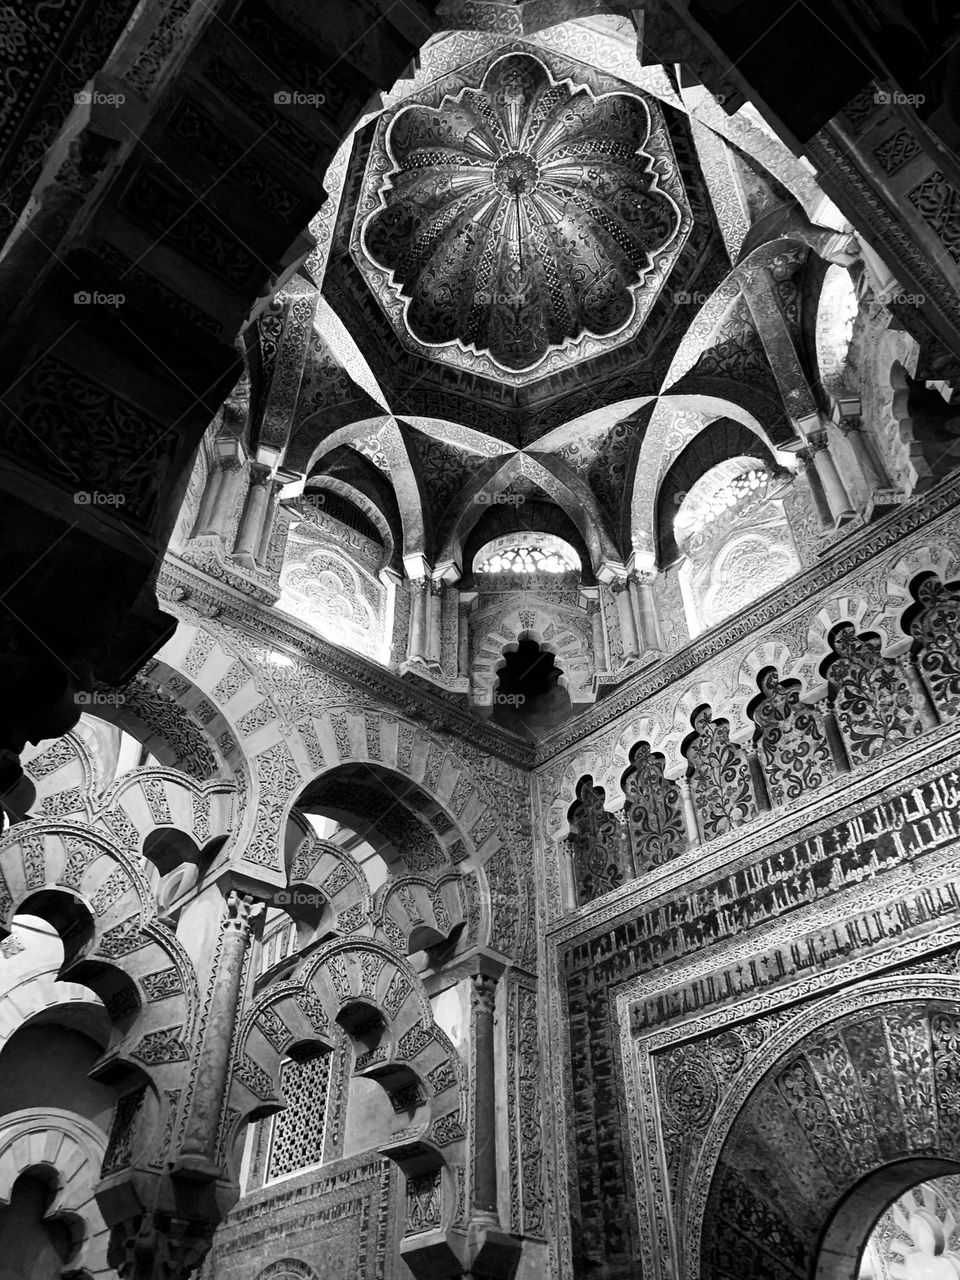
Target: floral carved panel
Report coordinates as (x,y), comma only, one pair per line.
(791,744)
(937,629)
(598,843)
(720,777)
(872,701)
(654,813)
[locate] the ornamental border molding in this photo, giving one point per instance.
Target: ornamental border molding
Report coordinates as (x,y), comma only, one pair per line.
(642,1093)
(182,583)
(733,852)
(561,937)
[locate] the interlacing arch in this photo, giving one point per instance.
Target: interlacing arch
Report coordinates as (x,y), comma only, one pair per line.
(415,913)
(558,482)
(67,1152)
(98,901)
(291,732)
(363,988)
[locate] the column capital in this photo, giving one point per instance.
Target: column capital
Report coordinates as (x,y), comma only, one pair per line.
(850,424)
(484,993)
(260,474)
(817,441)
(242,909)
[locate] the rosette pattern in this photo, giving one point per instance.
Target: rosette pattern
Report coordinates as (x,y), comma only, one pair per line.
(520,215)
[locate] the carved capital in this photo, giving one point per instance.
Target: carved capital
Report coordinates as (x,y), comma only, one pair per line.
(853,423)
(484,993)
(259,474)
(817,440)
(241,911)
(142,1249)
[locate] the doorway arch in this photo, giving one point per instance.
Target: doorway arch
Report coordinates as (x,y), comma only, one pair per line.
(828,1127)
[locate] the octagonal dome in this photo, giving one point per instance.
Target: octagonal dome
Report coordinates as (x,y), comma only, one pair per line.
(524,219)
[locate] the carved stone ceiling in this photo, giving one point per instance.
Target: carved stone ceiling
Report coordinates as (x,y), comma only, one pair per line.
(510,239)
(523,218)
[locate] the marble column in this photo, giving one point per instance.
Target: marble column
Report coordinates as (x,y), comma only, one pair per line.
(254,515)
(871,470)
(691,821)
(417,646)
(270,515)
(648,615)
(596,628)
(805,457)
(628,622)
(929,716)
(838,748)
(838,500)
(485,1095)
(463,640)
(435,604)
(757,778)
(218,499)
(198,1150)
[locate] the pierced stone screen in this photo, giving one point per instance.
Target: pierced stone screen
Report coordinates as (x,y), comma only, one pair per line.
(298,1132)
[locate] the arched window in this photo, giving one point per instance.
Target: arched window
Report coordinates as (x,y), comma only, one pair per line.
(732,530)
(527,553)
(836,314)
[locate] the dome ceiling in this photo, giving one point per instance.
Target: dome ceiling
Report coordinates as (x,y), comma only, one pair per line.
(525,216)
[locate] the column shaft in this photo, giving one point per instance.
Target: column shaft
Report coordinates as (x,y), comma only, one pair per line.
(838,748)
(485,1099)
(757,778)
(838,500)
(689,811)
(198,1149)
(628,622)
(922,700)
(254,513)
(816,488)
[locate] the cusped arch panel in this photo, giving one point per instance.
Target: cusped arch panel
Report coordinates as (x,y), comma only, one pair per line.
(64,773)
(100,903)
(145,801)
(414,1060)
(323,866)
(69,1151)
(415,912)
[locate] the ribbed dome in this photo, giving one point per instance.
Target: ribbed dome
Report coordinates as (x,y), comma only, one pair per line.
(520,215)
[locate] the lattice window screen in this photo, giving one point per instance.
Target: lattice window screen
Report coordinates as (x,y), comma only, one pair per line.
(298,1132)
